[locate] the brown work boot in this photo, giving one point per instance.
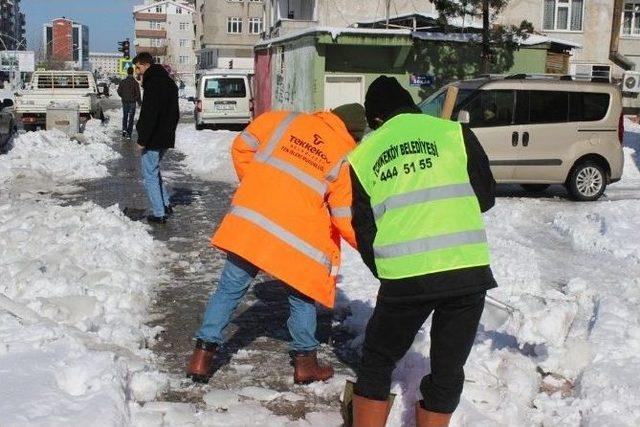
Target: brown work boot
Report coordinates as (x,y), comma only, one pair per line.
(369,412)
(199,369)
(307,370)
(426,418)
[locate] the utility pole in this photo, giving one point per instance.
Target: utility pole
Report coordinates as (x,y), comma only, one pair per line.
(486,44)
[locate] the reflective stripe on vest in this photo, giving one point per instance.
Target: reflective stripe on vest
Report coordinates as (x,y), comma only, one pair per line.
(335,171)
(277,135)
(250,139)
(282,234)
(422,196)
(428,244)
(340,212)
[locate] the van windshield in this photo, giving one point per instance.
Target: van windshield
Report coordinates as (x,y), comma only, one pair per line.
(433,104)
(225,88)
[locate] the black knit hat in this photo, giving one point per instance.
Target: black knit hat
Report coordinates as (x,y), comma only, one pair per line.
(384,97)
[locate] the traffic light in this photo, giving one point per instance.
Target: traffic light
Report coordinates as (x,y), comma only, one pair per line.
(124,48)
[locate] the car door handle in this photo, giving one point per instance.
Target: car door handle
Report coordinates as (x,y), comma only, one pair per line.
(514,139)
(525,139)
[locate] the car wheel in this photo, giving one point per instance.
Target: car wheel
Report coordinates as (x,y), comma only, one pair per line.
(587,181)
(534,188)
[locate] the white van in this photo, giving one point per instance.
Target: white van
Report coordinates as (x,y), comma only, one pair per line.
(223,97)
(542,131)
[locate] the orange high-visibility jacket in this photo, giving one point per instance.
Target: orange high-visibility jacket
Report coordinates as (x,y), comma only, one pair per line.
(294,200)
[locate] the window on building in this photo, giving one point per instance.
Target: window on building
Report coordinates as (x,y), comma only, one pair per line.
(158,9)
(255,25)
(184,25)
(154,25)
(157,59)
(156,42)
(179,10)
(234,1)
(563,15)
(234,25)
(631,19)
(183,59)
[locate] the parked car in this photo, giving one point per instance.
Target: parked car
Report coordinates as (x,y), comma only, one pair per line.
(51,87)
(223,97)
(541,131)
(7,123)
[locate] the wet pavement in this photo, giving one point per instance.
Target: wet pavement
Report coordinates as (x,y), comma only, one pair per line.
(256,353)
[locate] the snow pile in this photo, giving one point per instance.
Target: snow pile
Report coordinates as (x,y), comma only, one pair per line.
(78,280)
(186,107)
(207,153)
(52,156)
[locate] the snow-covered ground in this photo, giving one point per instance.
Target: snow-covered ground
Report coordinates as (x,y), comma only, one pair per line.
(75,286)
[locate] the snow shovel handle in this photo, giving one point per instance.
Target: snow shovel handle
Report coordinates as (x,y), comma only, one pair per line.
(501,305)
(449,102)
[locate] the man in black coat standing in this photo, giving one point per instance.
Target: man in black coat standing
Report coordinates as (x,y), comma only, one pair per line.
(156,130)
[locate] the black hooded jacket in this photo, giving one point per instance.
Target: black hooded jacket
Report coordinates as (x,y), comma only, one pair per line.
(436,285)
(160,112)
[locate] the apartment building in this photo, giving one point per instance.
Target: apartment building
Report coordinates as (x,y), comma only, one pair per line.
(589,24)
(12,26)
(165,29)
(105,63)
(227,31)
(67,41)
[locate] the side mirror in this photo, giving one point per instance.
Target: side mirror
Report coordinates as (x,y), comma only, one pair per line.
(464,117)
(191,99)
(7,103)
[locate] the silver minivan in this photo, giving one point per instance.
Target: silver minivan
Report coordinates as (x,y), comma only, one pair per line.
(541,131)
(224,98)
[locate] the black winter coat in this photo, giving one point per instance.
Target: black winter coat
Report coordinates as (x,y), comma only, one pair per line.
(129,90)
(436,285)
(160,112)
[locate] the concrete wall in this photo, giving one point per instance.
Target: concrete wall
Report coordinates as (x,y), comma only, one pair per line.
(295,75)
(211,24)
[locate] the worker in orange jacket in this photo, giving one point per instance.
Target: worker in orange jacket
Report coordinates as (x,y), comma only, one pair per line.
(286,218)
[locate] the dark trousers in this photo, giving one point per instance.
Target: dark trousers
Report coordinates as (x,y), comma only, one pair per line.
(391,331)
(128,114)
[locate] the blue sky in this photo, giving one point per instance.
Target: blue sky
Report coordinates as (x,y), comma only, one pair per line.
(108,20)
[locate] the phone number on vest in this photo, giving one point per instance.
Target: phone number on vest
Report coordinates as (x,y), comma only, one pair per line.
(405,149)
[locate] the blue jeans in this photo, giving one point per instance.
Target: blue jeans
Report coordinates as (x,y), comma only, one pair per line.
(236,276)
(152,178)
(128,114)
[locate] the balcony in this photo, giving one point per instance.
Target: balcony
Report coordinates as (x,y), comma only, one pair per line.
(154,51)
(151,34)
(160,17)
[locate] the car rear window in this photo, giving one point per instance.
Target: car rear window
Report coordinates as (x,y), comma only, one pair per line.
(588,107)
(225,88)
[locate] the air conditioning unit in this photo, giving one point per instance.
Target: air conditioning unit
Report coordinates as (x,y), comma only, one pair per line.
(631,82)
(593,73)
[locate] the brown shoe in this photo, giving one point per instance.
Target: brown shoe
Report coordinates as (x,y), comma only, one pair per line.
(307,370)
(369,412)
(199,369)
(426,418)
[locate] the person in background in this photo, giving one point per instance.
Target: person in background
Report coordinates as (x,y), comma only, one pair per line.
(156,128)
(420,184)
(129,91)
(286,218)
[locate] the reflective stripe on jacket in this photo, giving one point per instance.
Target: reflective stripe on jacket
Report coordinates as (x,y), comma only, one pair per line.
(294,200)
(427,216)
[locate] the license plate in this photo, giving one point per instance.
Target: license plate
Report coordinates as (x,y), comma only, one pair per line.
(225,107)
